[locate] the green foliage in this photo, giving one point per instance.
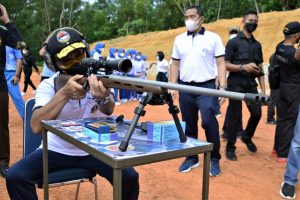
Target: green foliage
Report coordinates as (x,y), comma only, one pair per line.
(106,19)
(130,28)
(93,23)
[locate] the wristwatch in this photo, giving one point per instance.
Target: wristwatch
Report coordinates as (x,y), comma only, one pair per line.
(241,67)
(102,101)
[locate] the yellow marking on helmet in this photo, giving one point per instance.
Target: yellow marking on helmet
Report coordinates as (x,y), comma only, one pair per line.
(65,51)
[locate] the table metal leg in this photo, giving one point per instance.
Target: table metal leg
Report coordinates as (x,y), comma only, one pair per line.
(117,186)
(205,183)
(45,165)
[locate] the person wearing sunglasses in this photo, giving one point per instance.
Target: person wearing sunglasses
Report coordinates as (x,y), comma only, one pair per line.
(62,96)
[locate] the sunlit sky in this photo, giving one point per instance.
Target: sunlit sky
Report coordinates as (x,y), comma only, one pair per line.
(91,1)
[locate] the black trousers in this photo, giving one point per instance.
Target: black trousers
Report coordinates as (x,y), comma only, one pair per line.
(274,96)
(161,76)
(235,112)
(4,132)
(226,121)
(28,81)
(287,112)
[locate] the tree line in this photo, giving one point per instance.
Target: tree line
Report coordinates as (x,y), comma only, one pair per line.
(106,19)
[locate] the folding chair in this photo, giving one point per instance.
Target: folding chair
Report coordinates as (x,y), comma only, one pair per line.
(59,177)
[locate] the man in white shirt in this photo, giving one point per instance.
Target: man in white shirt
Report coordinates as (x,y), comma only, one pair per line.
(193,58)
(233,31)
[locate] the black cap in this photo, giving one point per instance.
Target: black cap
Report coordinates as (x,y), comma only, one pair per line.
(64,40)
(291,28)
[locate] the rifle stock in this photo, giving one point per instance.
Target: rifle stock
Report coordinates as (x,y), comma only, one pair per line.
(156,87)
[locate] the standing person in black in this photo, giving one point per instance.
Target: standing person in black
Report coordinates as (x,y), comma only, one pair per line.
(232,32)
(274,96)
(243,57)
(28,63)
(289,90)
(10,36)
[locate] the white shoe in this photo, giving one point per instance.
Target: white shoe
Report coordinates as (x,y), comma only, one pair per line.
(33,92)
(117,103)
(22,93)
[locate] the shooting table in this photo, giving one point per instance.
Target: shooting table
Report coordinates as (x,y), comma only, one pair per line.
(140,151)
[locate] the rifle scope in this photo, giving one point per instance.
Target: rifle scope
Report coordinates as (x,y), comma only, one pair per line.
(121,65)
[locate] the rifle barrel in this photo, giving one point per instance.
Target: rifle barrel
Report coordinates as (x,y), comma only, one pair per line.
(157,87)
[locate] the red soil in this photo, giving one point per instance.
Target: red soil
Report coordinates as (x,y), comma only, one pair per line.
(253,176)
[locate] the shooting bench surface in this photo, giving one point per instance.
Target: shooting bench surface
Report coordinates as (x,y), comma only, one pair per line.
(140,151)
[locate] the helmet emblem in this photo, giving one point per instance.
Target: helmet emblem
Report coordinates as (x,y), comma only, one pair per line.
(63,36)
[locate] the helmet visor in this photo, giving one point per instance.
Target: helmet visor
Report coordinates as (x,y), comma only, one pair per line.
(74,57)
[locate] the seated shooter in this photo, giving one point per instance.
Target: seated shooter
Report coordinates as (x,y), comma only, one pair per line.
(63,97)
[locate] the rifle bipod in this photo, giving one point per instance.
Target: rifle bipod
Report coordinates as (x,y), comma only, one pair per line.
(139,111)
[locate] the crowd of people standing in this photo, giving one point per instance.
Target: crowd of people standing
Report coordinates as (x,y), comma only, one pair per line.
(138,70)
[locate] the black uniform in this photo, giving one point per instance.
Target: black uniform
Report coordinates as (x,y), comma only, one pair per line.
(28,63)
(274,96)
(8,36)
(289,98)
(241,50)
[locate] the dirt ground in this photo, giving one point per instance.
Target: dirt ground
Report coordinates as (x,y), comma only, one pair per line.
(254,176)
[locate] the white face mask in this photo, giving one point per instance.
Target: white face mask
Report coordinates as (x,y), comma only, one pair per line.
(191,25)
(138,57)
(122,54)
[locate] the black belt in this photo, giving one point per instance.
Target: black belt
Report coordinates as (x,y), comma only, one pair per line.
(196,83)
